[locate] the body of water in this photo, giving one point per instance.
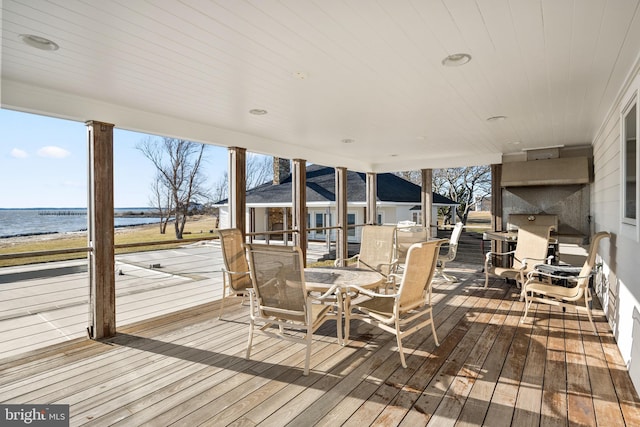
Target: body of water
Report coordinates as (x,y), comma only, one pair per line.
(28,222)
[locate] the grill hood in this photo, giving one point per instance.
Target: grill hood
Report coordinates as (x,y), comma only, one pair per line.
(559,171)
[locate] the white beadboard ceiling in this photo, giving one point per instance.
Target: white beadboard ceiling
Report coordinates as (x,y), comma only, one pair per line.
(372,73)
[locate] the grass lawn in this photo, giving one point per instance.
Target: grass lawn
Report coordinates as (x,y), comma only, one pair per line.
(196,228)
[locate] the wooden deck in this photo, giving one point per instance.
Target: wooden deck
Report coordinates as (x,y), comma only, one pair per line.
(188,368)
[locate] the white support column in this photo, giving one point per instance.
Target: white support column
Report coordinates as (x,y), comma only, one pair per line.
(372,198)
(427,202)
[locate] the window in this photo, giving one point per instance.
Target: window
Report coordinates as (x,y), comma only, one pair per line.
(351,220)
(630,163)
(416,217)
(380,218)
(319,223)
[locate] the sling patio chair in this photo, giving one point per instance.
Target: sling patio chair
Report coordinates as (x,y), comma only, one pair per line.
(281,303)
(532,247)
(450,254)
(577,294)
(399,312)
(405,237)
(235,273)
(377,249)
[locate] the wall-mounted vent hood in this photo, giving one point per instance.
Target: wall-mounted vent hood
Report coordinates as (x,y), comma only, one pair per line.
(560,171)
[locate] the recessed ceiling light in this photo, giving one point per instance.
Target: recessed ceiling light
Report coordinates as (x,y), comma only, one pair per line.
(257,112)
(496,118)
(516,142)
(38,42)
(300,75)
(456,60)
(348,141)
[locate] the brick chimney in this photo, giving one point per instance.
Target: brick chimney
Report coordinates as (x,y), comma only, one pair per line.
(281,170)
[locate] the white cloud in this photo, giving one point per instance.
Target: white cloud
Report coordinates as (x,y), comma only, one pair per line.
(19,154)
(53,152)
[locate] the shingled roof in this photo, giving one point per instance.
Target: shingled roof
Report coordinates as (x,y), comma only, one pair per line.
(321,188)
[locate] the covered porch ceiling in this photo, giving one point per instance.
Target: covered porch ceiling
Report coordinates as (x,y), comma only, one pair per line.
(356,84)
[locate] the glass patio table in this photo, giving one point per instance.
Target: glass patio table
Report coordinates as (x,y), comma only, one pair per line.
(321,279)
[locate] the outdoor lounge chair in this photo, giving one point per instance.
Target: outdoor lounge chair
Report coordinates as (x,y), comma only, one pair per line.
(532,247)
(450,255)
(235,274)
(407,304)
(281,303)
(539,288)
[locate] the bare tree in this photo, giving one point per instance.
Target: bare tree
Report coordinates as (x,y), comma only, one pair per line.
(178,165)
(220,189)
(464,185)
(162,201)
(411,176)
(259,171)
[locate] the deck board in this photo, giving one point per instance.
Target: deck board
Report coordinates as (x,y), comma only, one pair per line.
(188,368)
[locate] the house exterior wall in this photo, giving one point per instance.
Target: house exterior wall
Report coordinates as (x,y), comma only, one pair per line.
(618,283)
(388,214)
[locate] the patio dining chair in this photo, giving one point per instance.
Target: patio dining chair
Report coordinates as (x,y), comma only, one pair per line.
(539,287)
(405,237)
(400,312)
(235,273)
(450,254)
(376,249)
(532,247)
(281,304)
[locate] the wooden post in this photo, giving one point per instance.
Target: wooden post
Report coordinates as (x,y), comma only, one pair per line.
(426,200)
(237,188)
(496,206)
(252,223)
(100,235)
(299,204)
(342,244)
(372,198)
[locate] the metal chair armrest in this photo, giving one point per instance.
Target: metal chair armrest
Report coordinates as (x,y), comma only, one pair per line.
(346,260)
(370,293)
(329,294)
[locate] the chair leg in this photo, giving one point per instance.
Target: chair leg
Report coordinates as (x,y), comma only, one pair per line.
(339,318)
(399,340)
(309,338)
(249,343)
(527,303)
(445,276)
(448,278)
(486,273)
(433,330)
(586,304)
(347,318)
(224,293)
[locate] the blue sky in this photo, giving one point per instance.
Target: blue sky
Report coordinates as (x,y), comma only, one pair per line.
(43,163)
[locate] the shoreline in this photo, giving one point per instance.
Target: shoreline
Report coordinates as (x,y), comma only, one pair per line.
(74,232)
(11,241)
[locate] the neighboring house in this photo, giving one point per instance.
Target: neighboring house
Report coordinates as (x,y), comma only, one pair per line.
(396,202)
